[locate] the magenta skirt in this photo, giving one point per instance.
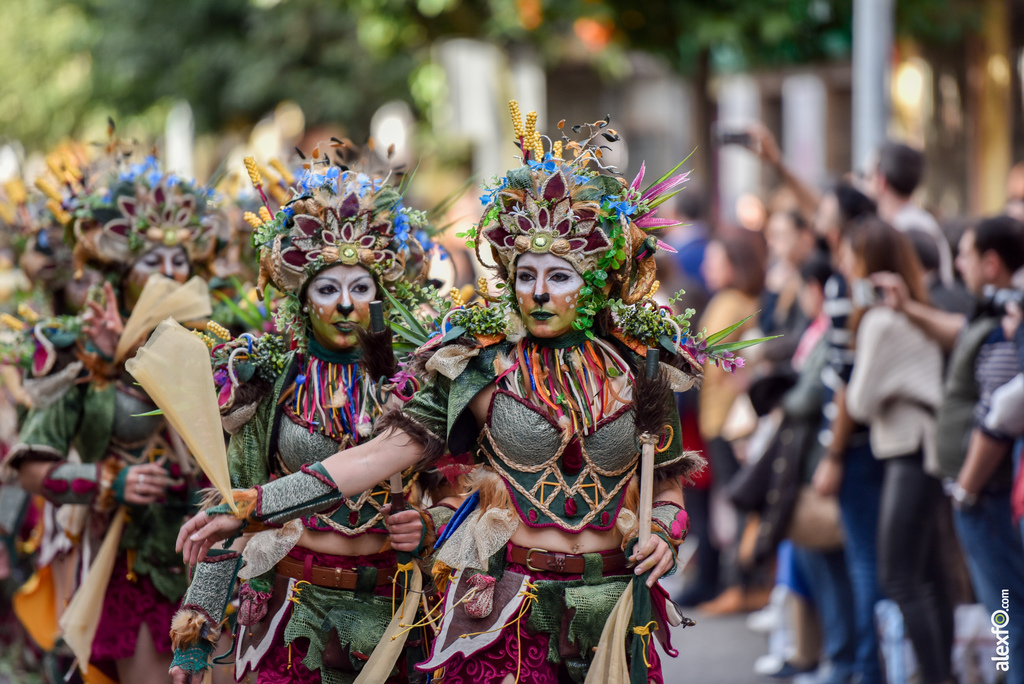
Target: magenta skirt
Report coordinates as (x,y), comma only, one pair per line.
(128,605)
(520,652)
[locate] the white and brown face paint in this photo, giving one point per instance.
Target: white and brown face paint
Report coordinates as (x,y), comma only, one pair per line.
(547,289)
(171,262)
(338,301)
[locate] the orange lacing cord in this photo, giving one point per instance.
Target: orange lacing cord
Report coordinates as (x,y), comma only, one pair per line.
(296,598)
(405,569)
(645,631)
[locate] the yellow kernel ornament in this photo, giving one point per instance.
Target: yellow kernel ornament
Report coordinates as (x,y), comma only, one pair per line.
(252,219)
(254,172)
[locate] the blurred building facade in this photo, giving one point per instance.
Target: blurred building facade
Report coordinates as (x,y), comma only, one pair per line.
(962,102)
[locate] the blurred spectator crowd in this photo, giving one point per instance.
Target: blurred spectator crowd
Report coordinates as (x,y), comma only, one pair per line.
(864,494)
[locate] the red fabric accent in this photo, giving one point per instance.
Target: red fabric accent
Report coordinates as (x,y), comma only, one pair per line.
(280,667)
(307,568)
(56,486)
(570,507)
(82,486)
(572,456)
(385,559)
(127,606)
(692,441)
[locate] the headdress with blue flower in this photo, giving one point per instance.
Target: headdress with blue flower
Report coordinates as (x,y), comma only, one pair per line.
(136,208)
(579,209)
(341,212)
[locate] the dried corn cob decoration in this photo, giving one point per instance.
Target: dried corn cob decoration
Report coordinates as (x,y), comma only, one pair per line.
(11,322)
(218,330)
(44,187)
(252,219)
(289,178)
(58,212)
(254,176)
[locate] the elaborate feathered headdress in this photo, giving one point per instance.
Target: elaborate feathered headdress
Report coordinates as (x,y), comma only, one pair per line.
(137,209)
(35,217)
(339,213)
(579,209)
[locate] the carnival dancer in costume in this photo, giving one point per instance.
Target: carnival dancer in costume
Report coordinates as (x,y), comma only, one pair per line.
(546,386)
(33,219)
(132,482)
(317,593)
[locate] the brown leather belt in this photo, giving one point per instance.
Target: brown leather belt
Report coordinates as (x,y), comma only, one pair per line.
(540,560)
(332,578)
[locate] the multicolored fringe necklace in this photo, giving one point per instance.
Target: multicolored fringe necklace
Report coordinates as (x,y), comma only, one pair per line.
(330,394)
(571,376)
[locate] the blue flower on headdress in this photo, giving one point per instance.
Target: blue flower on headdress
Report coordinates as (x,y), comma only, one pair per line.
(148,169)
(311,180)
(549,165)
(401,224)
(488,197)
(623,208)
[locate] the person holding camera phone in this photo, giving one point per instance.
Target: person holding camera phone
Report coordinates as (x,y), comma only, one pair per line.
(973,458)
(895,388)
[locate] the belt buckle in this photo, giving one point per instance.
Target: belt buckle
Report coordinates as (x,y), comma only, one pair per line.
(529,565)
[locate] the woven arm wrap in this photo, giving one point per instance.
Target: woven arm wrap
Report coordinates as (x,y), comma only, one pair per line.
(440,515)
(196,626)
(309,491)
(13,502)
(194,659)
(433,446)
(670,521)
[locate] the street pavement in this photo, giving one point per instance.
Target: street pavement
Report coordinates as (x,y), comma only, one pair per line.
(717,650)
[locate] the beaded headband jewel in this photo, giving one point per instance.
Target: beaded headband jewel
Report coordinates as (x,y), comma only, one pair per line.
(578,209)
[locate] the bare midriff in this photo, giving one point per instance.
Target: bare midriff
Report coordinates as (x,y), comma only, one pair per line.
(550,539)
(339,545)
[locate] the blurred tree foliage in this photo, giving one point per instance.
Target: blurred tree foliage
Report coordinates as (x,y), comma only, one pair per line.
(63,61)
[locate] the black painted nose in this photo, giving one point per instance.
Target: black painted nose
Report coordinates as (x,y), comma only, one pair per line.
(346,309)
(542,298)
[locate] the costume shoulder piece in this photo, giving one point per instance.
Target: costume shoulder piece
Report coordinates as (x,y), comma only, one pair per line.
(245,368)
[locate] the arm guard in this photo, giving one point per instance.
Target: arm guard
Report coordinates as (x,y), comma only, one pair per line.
(439,516)
(196,625)
(13,502)
(670,521)
(309,491)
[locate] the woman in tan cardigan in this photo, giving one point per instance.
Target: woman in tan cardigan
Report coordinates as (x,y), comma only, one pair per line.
(895,388)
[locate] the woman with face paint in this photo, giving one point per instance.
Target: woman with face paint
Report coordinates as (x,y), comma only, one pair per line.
(130,473)
(546,390)
(316,593)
